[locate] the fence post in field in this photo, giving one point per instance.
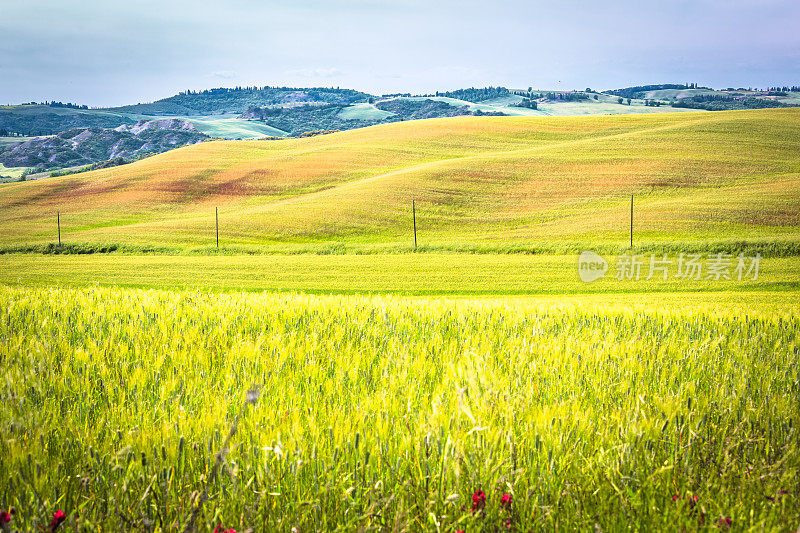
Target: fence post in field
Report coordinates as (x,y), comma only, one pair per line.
(58,221)
(216,217)
(414,215)
(631,221)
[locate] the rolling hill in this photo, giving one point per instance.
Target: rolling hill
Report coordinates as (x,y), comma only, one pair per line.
(237,100)
(41,120)
(227,104)
(490,181)
(93,145)
(38,120)
(257,112)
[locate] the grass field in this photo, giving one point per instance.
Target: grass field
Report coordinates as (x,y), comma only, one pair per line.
(363,112)
(604,105)
(233,128)
(473,384)
(697,177)
(392,413)
(5,141)
(417,274)
(12,172)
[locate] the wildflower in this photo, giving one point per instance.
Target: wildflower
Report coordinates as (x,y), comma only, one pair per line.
(58,518)
(725,523)
(777,496)
(5,518)
(692,500)
(505,501)
(478,500)
(221,529)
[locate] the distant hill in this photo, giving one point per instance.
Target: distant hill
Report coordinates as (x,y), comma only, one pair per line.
(82,146)
(639,91)
(716,102)
(422,109)
(256,112)
(39,119)
(239,99)
(476,95)
(692,96)
(304,118)
(296,120)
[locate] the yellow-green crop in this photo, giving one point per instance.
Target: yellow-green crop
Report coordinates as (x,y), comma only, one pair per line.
(537,182)
(389,413)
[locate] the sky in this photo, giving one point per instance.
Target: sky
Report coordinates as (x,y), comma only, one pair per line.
(106,53)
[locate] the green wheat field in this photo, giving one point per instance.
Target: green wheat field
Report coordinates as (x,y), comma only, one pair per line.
(318,373)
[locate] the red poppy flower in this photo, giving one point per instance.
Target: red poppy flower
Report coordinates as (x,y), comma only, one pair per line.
(478,500)
(505,502)
(5,518)
(58,518)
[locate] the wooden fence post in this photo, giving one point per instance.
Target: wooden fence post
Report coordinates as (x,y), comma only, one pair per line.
(631,222)
(414,214)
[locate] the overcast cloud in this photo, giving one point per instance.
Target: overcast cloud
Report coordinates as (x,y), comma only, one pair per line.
(104,53)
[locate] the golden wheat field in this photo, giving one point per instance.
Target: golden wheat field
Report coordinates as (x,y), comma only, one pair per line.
(696,177)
